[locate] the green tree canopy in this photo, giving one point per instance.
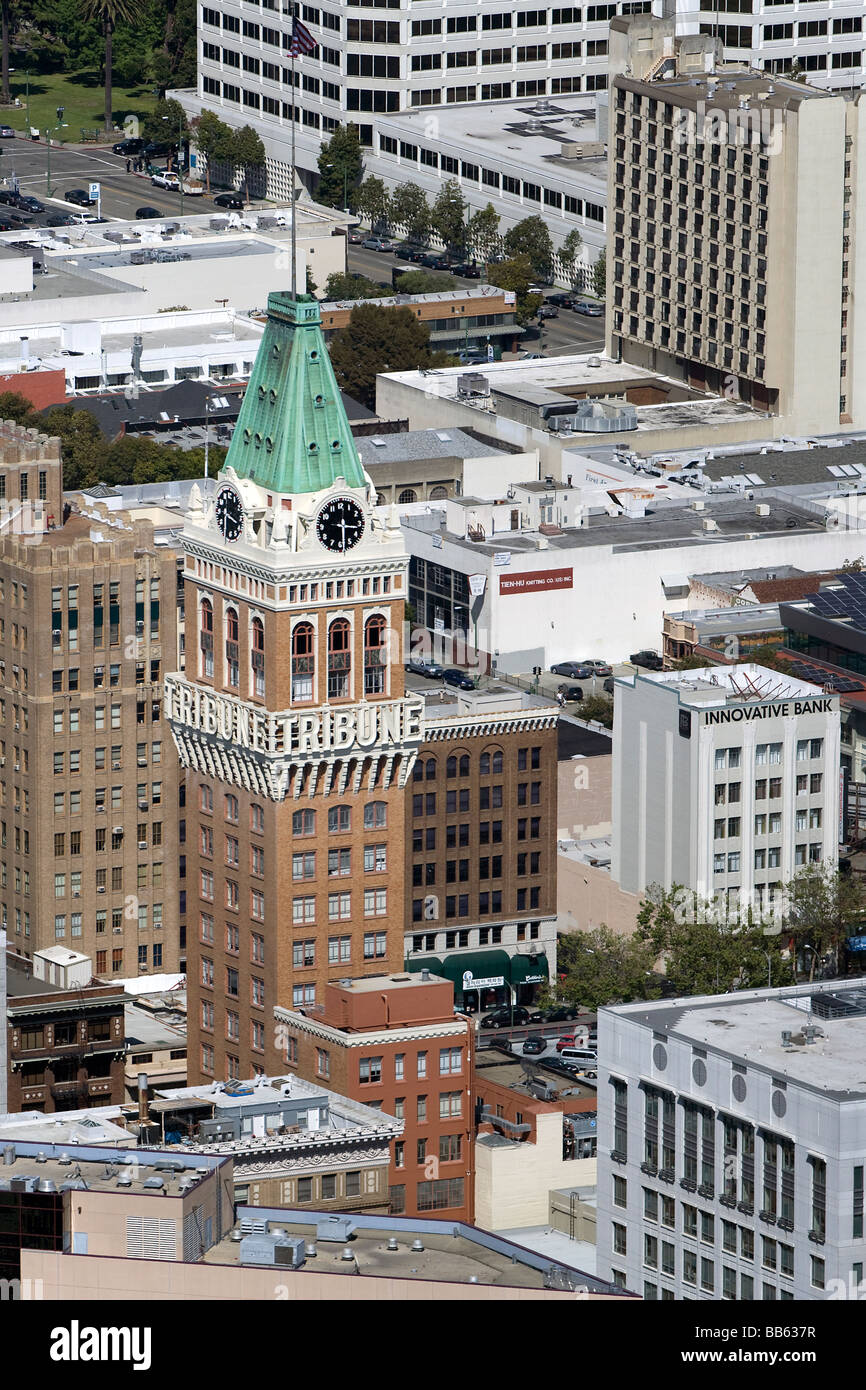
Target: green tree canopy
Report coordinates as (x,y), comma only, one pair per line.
(597,707)
(214,139)
(372,201)
(482,232)
(340,163)
(531,238)
(824,907)
(706,949)
(599,276)
(14,406)
(344,285)
(410,209)
(516,275)
(602,967)
(425,282)
(448,213)
(376,340)
(569,252)
(164,121)
(248,153)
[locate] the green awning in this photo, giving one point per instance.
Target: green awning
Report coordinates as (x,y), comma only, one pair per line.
(431,963)
(481,965)
(530,970)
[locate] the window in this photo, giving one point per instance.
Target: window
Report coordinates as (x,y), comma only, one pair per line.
(375,945)
(206,638)
(376,815)
(422,1065)
(339,659)
(257,657)
(370,1070)
(339,819)
(375,902)
(339,906)
(375,656)
(323,1062)
(304,822)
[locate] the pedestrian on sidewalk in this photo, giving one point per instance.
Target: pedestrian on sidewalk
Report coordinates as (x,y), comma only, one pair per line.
(128,165)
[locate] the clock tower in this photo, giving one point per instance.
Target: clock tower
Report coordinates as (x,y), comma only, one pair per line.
(291,718)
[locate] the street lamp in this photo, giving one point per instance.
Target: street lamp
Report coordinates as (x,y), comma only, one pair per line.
(49,134)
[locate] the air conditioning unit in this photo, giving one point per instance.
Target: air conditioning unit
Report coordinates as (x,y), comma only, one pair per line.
(115,767)
(142,805)
(76,895)
(117,830)
(100,888)
(142,762)
(100,810)
(142,844)
(118,931)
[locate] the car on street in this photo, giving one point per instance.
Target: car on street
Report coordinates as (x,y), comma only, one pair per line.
(58,219)
(570,692)
(506,1017)
(7,225)
(530,356)
(533,1047)
(589,308)
(29,204)
(434,260)
(128,147)
(80,197)
(8,199)
(607,686)
(372,243)
(548,311)
(355,238)
(598,668)
(417,666)
(472,357)
(561,1013)
(166,178)
(467,270)
(562,301)
(651,660)
(6,132)
(145,214)
(230,200)
(453,676)
(159,149)
(403,251)
(575,670)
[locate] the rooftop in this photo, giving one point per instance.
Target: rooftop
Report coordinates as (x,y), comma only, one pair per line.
(729,88)
(529,1077)
(100,1169)
(727,685)
(576,740)
(415,446)
(832,460)
(477,294)
(71,1127)
(749,1026)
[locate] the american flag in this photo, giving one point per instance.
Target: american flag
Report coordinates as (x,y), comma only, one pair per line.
(302,39)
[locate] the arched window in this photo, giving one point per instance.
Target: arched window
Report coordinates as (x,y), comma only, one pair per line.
(450,767)
(375,656)
(232,666)
(375,815)
(257,657)
(464,765)
(430,769)
(484,765)
(303,662)
(206,637)
(497,761)
(437,493)
(408,495)
(418,771)
(339,659)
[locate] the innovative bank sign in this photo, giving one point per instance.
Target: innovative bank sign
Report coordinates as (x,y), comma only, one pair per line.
(781,709)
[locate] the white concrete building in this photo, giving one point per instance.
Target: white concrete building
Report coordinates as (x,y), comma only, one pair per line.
(730,1155)
(725,781)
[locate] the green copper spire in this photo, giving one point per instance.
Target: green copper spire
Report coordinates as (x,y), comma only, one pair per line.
(292,434)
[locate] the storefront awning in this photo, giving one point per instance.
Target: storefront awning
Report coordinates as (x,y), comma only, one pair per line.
(530,970)
(483,966)
(431,963)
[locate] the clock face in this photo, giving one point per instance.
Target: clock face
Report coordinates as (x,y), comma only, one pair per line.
(340,524)
(229,513)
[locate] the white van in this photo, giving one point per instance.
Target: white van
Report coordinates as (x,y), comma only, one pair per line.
(584,1056)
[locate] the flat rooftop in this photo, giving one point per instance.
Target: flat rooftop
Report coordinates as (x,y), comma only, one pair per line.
(517,1074)
(728,88)
(417,446)
(99,1169)
(749,1026)
(728,685)
(832,461)
(451,1252)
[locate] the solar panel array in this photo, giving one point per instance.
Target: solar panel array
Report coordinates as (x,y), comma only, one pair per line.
(829,680)
(847,599)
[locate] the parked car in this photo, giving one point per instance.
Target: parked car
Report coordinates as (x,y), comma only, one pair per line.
(372,243)
(452,675)
(530,356)
(159,149)
(570,692)
(30,204)
(7,225)
(166,178)
(589,308)
(651,660)
(568,1040)
(561,1068)
(431,669)
(80,197)
(506,1017)
(418,253)
(562,301)
(548,311)
(434,260)
(128,147)
(575,670)
(472,357)
(533,1047)
(403,251)
(468,270)
(355,238)
(598,668)
(146,213)
(8,199)
(6,132)
(561,1013)
(607,686)
(58,219)
(230,200)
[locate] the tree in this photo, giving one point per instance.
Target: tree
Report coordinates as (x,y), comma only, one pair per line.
(342,285)
(108,13)
(482,232)
(569,252)
(410,209)
(424,282)
(376,340)
(14,406)
(822,905)
(708,947)
(597,707)
(447,214)
(602,967)
(852,566)
(599,276)
(531,238)
(249,153)
(167,122)
(372,201)
(214,140)
(340,163)
(516,275)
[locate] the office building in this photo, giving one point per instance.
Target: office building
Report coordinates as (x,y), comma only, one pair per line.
(88,784)
(725,780)
(710,169)
(730,1162)
(393,1042)
(290,717)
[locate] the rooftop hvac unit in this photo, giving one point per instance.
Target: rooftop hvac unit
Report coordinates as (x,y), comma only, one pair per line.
(473,384)
(334,1228)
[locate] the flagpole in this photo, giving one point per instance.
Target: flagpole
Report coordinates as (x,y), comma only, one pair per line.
(294,123)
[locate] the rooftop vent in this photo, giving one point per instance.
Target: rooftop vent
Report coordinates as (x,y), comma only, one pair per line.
(348,1253)
(392,1243)
(8,1155)
(417,1246)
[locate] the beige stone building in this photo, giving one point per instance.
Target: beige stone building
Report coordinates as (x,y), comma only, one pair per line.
(88,775)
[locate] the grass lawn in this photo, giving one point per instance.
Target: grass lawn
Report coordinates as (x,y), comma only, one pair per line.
(82,97)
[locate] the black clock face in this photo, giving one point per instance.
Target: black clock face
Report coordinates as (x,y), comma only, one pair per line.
(340,524)
(229,513)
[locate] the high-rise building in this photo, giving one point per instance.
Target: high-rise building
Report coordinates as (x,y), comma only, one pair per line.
(88,782)
(291,717)
(733,214)
(724,780)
